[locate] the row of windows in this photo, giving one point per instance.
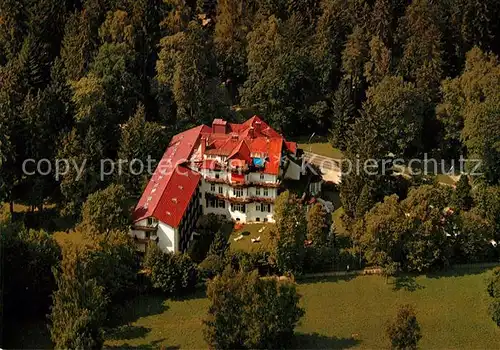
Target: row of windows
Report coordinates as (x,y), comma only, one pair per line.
(216,203)
(238,192)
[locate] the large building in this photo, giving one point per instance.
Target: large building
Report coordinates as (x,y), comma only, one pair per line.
(228,169)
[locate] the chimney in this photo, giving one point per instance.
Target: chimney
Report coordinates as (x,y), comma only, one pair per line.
(258,127)
(219,126)
(203,145)
(251,132)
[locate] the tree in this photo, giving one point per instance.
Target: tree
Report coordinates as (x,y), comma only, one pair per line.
(106,210)
(385,231)
(342,116)
(468,111)
(404,331)
(232,25)
(139,140)
(427,245)
(28,259)
(396,105)
(291,226)
(185,71)
(493,289)
(79,305)
(472,244)
(281,79)
(354,58)
(112,261)
(462,197)
(421,38)
(379,64)
(318,225)
(268,309)
(219,245)
(173,274)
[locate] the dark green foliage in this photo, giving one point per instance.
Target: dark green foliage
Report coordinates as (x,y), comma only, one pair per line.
(268,309)
(462,198)
(106,210)
(493,289)
(79,308)
(114,263)
(342,116)
(173,274)
(291,226)
(28,257)
(404,332)
(318,224)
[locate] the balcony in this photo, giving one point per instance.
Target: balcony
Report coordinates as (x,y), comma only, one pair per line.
(240,200)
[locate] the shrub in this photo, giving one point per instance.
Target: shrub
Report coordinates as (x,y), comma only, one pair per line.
(173,274)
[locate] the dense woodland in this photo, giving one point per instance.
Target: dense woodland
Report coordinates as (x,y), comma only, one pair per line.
(86,80)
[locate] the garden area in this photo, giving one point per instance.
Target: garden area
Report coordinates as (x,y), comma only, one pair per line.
(339,313)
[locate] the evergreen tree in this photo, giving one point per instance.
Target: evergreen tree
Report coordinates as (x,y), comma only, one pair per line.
(185,70)
(342,116)
(291,226)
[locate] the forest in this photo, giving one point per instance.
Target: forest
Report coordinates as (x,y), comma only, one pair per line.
(116,78)
(87,80)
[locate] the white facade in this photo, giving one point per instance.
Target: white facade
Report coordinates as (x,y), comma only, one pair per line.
(251,201)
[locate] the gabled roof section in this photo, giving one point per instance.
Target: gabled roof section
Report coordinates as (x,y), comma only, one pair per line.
(152,201)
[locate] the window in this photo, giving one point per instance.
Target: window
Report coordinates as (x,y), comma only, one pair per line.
(238,207)
(257,191)
(257,219)
(266,192)
(265,219)
(217,175)
(262,176)
(220,189)
(221,203)
(238,192)
(147,234)
(263,207)
(212,187)
(151,221)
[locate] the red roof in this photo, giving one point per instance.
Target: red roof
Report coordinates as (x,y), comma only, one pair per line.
(163,198)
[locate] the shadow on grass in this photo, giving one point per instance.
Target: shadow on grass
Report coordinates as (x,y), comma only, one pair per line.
(156,344)
(319,341)
(140,306)
(325,279)
(463,270)
(408,283)
(127,332)
(199,293)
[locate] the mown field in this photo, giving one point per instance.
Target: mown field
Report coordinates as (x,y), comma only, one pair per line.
(340,313)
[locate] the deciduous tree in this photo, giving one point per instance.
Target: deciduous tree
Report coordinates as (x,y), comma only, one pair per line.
(269,310)
(404,332)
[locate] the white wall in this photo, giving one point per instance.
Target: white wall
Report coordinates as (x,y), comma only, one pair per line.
(255,177)
(168,237)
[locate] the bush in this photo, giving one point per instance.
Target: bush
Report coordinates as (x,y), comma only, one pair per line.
(173,274)
(319,258)
(250,312)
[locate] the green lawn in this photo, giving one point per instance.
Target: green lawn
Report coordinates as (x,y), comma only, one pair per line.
(340,313)
(322,148)
(250,231)
(452,311)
